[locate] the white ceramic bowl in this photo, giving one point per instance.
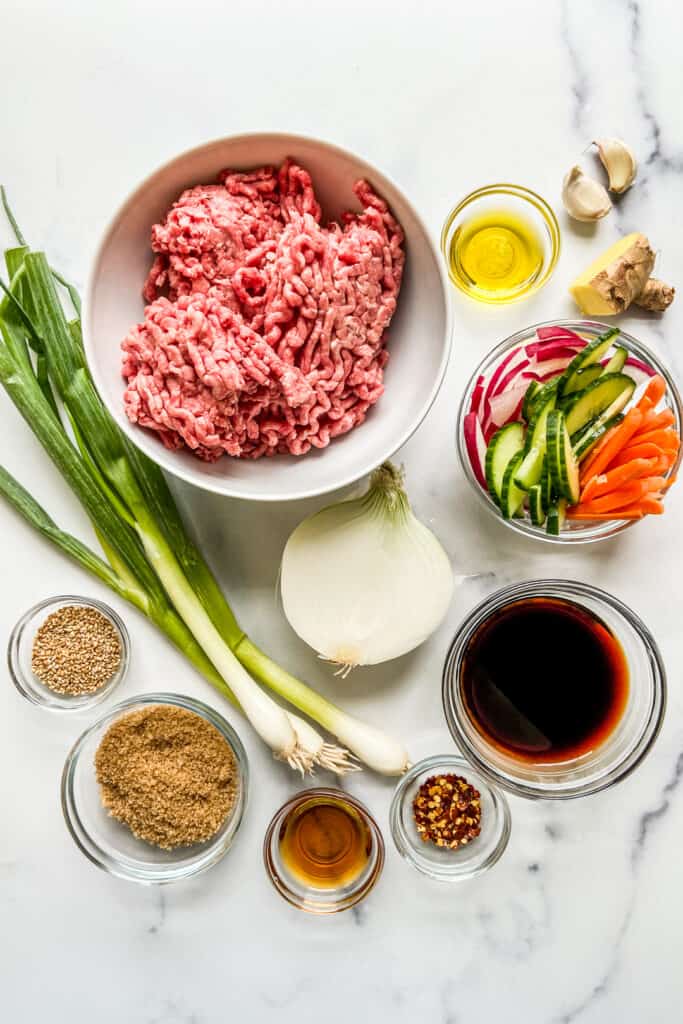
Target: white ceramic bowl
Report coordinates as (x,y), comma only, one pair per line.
(419,335)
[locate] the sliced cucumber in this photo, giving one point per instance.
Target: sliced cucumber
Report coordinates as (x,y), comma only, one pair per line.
(610,392)
(512,497)
(546,486)
(536,506)
(556,516)
(529,472)
(505,443)
(543,394)
(618,361)
(563,466)
(588,355)
(581,379)
(589,437)
(531,393)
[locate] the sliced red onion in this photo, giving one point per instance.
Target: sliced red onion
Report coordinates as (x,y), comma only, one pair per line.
(638,364)
(477,399)
(559,334)
(516,354)
(513,376)
(553,366)
(550,349)
(476,446)
(504,406)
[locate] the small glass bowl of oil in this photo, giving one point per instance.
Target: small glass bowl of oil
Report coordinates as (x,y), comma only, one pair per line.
(323,851)
(501,243)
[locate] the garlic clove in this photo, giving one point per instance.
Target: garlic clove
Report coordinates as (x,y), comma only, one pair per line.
(619,162)
(584,198)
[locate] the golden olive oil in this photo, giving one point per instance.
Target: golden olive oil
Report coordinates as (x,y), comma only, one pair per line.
(497,256)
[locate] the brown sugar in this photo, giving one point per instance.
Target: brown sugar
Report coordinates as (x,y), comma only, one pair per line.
(167,774)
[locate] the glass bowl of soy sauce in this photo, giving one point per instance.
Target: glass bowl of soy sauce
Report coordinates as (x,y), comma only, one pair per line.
(554,689)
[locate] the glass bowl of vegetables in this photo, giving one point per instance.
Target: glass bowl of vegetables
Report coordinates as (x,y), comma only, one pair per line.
(569,431)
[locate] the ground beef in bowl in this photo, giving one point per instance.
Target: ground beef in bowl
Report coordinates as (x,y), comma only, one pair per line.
(265,331)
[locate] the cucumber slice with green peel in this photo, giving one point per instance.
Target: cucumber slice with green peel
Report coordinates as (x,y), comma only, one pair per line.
(610,393)
(529,472)
(536,507)
(505,443)
(556,517)
(581,379)
(563,466)
(546,487)
(531,393)
(512,496)
(542,396)
(588,438)
(591,353)
(618,361)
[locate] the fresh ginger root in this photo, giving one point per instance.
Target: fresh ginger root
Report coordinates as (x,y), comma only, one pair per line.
(656,295)
(619,277)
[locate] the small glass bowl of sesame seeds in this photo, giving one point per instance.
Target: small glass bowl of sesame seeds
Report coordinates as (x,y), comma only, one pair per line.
(68,653)
(444,800)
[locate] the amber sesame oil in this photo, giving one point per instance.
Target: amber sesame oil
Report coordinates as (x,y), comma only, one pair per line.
(496,256)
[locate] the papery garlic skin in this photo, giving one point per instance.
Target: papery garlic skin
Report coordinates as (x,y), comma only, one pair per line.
(584,198)
(619,162)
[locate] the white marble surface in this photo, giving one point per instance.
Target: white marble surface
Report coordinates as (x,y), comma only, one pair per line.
(581,919)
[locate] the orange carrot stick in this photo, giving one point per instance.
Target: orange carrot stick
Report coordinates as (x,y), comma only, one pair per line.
(626,495)
(614,479)
(636,451)
(649,505)
(654,420)
(655,390)
(667,439)
(617,440)
(577,513)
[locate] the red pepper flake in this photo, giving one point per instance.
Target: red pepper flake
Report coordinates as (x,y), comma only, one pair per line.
(447,811)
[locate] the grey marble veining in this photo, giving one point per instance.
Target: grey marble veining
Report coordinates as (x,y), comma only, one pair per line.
(580,921)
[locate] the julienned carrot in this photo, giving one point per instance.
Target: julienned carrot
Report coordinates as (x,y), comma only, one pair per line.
(654,420)
(655,390)
(627,495)
(650,505)
(586,465)
(577,512)
(613,443)
(636,451)
(605,483)
(666,439)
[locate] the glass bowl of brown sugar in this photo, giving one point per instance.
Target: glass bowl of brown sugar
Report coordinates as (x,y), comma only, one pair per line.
(68,653)
(155,790)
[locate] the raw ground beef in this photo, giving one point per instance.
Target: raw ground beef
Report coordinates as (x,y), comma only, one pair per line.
(264,331)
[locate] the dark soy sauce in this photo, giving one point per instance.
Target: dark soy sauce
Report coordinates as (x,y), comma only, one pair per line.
(544,680)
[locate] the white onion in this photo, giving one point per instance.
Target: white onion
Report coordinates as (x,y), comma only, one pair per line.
(364,581)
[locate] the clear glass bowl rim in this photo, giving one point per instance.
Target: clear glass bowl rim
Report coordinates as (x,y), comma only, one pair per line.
(527,195)
(559,588)
(448,762)
(589,534)
(85,701)
(216,848)
(329,906)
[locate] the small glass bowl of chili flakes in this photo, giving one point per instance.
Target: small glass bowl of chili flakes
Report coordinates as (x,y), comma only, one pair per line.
(447,820)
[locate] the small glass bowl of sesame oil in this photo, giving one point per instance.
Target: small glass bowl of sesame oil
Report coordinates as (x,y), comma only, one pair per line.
(323,851)
(21,647)
(501,243)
